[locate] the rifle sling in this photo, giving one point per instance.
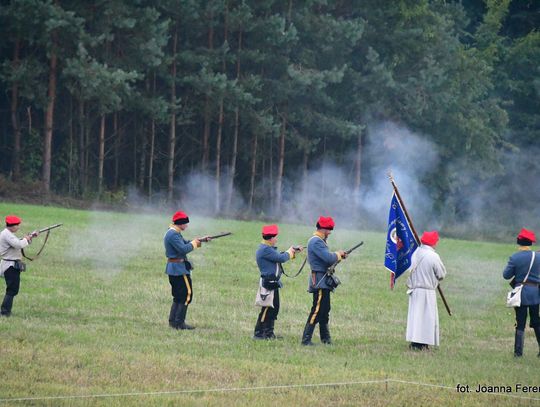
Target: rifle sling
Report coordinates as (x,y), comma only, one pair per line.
(40,250)
(298,272)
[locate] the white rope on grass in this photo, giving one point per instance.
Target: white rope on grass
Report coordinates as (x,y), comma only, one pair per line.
(240,389)
(224,389)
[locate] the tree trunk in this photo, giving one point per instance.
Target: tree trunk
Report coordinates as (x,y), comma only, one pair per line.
(270,169)
(221,119)
(142,168)
(87,129)
(82,180)
(232,174)
(206,134)
(253,173)
(101,159)
(49,120)
(152,146)
(172,132)
(16,163)
(281,163)
(358,165)
(71,132)
(218,158)
(207,118)
(116,151)
(305,166)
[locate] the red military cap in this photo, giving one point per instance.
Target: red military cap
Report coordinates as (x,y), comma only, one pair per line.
(527,234)
(325,223)
(430,238)
(180,218)
(269,230)
(12,220)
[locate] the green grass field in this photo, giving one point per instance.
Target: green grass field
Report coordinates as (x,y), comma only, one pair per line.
(91,320)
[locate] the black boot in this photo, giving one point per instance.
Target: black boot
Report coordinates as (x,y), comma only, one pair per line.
(269,331)
(172,314)
(6,305)
(308,333)
(259,330)
(418,346)
(518,343)
(325,333)
(180,318)
(537,333)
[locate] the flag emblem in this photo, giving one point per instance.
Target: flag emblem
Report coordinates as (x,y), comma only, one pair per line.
(400,242)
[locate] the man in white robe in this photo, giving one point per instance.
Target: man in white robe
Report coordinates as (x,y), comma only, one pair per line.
(426,272)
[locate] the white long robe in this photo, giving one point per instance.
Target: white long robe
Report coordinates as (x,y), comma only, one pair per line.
(423,316)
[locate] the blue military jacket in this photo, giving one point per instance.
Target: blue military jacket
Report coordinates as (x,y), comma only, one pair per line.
(269,259)
(176,247)
(518,266)
(320,258)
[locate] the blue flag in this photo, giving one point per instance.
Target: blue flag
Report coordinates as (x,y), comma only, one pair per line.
(400,242)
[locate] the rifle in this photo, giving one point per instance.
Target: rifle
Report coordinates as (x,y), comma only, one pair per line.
(34,234)
(46,229)
(332,268)
(208,238)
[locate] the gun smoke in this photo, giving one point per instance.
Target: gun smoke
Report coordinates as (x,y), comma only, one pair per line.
(478,208)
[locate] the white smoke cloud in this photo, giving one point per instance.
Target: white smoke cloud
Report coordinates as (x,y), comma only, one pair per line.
(111,241)
(328,189)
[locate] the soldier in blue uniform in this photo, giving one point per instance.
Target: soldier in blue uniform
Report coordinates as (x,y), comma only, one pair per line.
(269,261)
(518,267)
(179,269)
(320,258)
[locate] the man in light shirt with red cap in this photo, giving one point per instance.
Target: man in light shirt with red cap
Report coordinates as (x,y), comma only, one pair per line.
(426,271)
(320,258)
(10,266)
(524,267)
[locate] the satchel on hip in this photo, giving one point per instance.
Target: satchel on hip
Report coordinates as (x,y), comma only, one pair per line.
(513,298)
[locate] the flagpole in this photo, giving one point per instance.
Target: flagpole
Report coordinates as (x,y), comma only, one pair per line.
(398,196)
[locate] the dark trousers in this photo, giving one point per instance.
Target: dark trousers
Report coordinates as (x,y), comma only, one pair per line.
(181,289)
(320,310)
(268,314)
(521,316)
(13,281)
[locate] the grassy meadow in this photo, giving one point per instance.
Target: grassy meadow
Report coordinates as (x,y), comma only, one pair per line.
(91,319)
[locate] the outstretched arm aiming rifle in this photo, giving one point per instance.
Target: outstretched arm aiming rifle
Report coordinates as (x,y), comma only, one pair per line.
(36,233)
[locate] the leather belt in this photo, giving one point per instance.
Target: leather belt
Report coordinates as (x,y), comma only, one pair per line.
(171,260)
(529,283)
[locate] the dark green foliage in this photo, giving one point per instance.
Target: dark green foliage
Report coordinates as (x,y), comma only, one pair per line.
(315,74)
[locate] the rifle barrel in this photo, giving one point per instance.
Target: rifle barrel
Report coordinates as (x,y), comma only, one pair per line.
(220,235)
(50,227)
(205,239)
(354,248)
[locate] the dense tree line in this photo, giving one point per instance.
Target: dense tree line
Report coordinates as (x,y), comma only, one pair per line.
(97,96)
